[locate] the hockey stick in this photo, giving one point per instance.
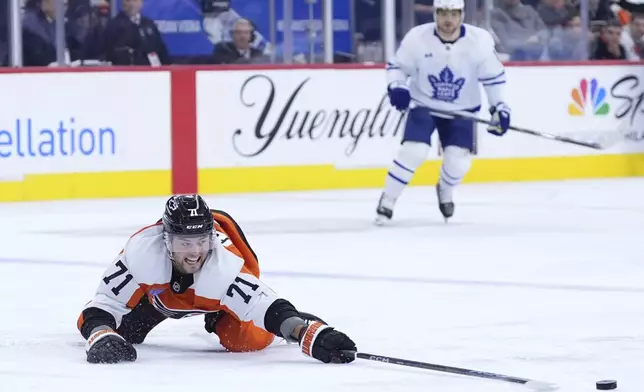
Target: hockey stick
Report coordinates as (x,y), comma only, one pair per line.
(608,140)
(531,384)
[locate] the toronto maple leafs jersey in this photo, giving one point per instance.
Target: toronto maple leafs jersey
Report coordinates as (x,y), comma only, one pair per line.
(446,75)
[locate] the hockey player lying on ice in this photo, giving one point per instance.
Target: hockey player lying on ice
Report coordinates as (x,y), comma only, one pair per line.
(196,261)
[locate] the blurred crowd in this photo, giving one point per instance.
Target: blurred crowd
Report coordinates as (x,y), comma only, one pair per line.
(524,30)
(552,30)
(537,30)
(94,37)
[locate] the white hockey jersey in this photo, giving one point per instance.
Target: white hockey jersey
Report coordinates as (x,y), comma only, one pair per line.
(228,280)
(446,75)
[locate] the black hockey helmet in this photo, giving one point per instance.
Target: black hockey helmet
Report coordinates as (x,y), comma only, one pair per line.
(187,215)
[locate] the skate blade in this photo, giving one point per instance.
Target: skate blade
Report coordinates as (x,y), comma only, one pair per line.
(381,220)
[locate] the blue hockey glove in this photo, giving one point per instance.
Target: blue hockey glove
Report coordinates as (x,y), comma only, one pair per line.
(500,119)
(399,97)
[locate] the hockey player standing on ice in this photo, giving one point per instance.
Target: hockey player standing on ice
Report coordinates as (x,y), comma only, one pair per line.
(439,65)
(196,261)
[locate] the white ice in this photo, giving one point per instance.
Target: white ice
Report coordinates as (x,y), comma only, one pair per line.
(535,280)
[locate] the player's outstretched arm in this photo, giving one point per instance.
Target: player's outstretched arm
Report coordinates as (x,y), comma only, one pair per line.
(251,300)
(316,339)
(101,316)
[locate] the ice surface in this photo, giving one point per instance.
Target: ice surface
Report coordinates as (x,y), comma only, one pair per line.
(534,280)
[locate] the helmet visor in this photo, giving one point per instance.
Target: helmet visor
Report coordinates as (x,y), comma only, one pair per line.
(198,243)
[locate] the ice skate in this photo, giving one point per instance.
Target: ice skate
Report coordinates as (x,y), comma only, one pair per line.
(445,203)
(385,210)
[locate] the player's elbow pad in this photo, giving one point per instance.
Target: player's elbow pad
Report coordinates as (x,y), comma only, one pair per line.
(276,314)
(95,317)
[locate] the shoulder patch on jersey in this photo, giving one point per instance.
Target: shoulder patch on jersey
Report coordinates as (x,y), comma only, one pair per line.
(446,85)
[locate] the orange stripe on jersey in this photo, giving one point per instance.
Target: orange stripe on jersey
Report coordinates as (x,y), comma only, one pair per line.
(230,246)
(79,323)
(241,246)
(185,302)
(136,297)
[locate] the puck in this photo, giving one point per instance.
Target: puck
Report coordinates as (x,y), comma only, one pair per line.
(606,385)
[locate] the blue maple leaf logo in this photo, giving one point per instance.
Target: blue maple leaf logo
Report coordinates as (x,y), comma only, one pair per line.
(446,87)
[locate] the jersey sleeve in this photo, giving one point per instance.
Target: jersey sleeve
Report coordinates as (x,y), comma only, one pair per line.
(117,293)
(233,239)
(249,299)
(491,72)
(402,65)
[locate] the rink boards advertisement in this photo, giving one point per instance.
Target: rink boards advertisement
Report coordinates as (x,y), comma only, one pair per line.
(313,129)
(66,135)
(119,132)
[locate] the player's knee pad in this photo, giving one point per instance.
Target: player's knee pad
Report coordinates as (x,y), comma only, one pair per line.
(456,163)
(412,154)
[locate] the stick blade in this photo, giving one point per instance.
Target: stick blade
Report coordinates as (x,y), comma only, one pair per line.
(609,140)
(541,386)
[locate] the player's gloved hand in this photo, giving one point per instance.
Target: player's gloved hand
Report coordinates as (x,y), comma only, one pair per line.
(399,97)
(326,344)
(106,346)
(210,320)
(500,118)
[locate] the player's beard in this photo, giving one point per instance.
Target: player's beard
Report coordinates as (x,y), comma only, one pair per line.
(189,263)
(448,28)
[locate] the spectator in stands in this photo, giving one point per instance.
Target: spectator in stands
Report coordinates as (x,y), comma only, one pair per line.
(632,38)
(424,11)
(522,34)
(78,17)
(218,22)
(368,29)
(554,13)
(98,19)
(600,10)
(39,33)
(567,42)
(132,39)
(239,50)
(608,45)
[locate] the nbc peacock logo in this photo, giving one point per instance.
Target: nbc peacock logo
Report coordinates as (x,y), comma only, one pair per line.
(595,102)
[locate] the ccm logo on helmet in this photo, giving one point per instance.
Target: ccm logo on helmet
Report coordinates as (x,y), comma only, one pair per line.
(191,227)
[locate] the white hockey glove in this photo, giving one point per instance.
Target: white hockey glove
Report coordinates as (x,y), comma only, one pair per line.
(500,119)
(106,346)
(325,344)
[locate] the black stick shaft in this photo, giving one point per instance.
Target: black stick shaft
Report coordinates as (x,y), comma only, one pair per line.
(441,368)
(563,139)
